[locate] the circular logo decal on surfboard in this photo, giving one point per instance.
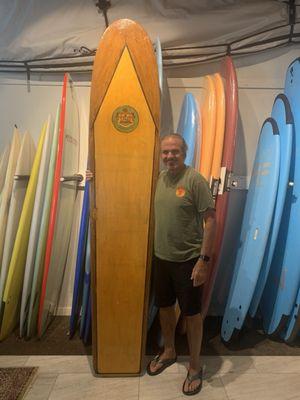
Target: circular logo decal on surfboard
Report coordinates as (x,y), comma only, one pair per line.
(125,119)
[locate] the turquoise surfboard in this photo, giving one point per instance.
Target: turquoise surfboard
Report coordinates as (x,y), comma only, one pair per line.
(188,125)
(292,329)
(80,264)
(282,114)
(255,228)
(284,277)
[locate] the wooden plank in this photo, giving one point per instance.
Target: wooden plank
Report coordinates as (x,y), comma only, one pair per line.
(124,126)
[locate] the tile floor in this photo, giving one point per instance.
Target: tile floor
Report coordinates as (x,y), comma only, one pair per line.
(226,378)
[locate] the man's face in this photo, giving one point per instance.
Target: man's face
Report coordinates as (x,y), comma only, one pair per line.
(172,154)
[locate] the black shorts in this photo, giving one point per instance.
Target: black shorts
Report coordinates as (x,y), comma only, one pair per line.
(172,280)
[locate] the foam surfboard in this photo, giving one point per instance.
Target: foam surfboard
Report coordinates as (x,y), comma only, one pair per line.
(282,114)
(35,226)
(13,287)
(124,123)
(228,74)
(255,228)
(62,206)
(21,179)
(41,241)
(292,328)
(86,286)
(7,188)
(284,276)
(209,115)
(188,126)
(80,264)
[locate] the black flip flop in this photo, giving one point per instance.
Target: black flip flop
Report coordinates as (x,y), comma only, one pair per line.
(191,379)
(164,364)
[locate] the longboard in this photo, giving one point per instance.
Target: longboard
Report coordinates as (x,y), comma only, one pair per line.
(188,127)
(124,131)
(41,242)
(21,179)
(8,185)
(284,277)
(282,114)
(13,287)
(62,205)
(219,135)
(35,226)
(209,116)
(231,105)
(80,261)
(255,228)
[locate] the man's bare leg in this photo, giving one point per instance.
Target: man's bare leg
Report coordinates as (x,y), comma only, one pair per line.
(194,335)
(168,326)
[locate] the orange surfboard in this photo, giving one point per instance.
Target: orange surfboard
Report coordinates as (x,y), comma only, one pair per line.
(124,132)
(219,134)
(209,115)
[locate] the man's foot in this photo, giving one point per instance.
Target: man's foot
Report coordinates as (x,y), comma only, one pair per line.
(161,362)
(193,382)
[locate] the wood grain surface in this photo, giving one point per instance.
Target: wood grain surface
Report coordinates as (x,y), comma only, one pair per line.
(124,95)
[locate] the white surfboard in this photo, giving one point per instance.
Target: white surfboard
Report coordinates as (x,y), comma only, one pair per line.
(8,184)
(35,225)
(42,237)
(3,166)
(20,184)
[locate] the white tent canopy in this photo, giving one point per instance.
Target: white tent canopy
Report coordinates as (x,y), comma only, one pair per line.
(39,29)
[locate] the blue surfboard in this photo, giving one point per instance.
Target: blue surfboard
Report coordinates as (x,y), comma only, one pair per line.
(282,114)
(284,277)
(188,125)
(88,325)
(292,329)
(86,286)
(79,271)
(255,228)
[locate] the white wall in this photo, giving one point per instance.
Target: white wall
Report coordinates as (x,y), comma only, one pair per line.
(260,79)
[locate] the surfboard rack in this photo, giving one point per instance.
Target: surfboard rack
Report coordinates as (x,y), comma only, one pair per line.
(237,182)
(21,177)
(72,178)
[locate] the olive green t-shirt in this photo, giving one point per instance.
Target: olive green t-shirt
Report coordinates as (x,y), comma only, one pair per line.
(179,205)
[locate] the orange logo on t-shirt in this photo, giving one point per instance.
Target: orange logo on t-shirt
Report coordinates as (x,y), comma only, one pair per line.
(180,192)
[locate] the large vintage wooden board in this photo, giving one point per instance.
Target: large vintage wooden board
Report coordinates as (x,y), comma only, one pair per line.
(124,132)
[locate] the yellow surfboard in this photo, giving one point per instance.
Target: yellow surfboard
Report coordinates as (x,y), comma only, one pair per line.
(13,287)
(124,132)
(219,134)
(209,115)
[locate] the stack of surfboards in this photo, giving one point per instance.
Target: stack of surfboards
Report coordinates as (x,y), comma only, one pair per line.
(30,196)
(266,280)
(210,133)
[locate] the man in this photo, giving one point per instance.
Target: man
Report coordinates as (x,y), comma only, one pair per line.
(184,233)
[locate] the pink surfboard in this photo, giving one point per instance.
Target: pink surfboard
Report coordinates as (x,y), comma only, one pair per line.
(231,100)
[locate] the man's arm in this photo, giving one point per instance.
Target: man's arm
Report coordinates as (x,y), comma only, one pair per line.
(200,271)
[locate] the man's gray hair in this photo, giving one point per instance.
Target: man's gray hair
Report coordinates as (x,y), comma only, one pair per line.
(184,146)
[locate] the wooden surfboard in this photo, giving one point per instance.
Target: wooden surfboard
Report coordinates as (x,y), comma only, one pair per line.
(124,134)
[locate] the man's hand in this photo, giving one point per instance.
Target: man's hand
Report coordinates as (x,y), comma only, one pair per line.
(200,273)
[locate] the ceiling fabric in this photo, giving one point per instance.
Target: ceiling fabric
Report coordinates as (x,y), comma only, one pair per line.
(39,29)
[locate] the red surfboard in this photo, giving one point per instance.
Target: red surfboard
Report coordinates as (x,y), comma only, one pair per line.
(231,94)
(61,210)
